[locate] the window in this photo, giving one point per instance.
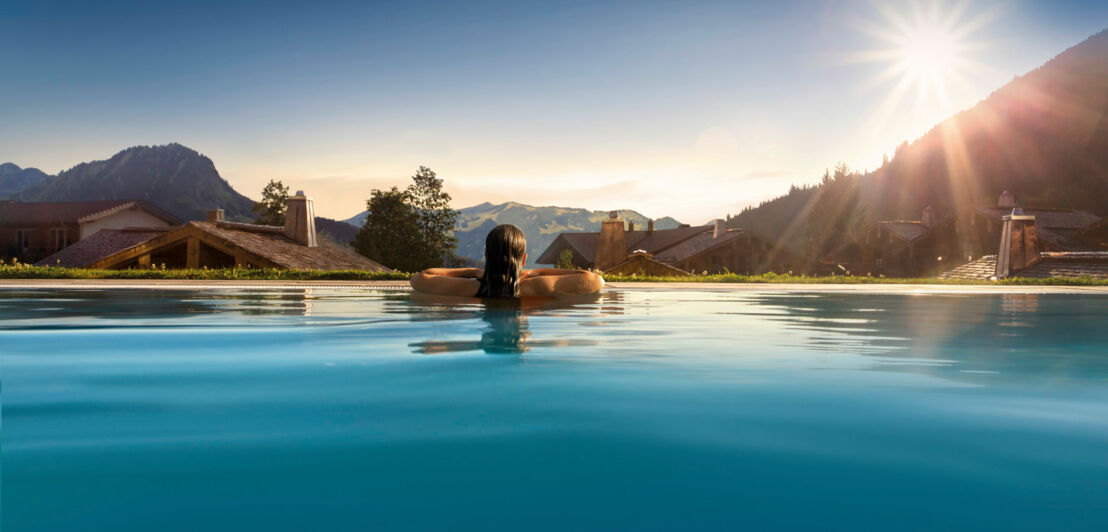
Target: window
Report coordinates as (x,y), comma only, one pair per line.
(60,238)
(23,240)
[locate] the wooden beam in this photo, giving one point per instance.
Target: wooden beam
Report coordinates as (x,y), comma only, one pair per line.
(175,238)
(144,260)
(192,258)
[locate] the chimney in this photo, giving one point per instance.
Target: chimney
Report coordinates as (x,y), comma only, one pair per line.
(650,226)
(612,247)
(1006,201)
(630,226)
(928,217)
(1019,244)
(719,228)
(300,220)
(214,215)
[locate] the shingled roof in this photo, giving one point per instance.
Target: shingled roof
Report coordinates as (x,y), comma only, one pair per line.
(654,242)
(1057,264)
(271,243)
(267,245)
(57,212)
(981,269)
(101,244)
(697,244)
(906,230)
(1056,226)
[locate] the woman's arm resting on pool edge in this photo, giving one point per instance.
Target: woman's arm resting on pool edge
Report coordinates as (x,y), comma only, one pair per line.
(455,272)
(553,285)
(540,272)
(445,285)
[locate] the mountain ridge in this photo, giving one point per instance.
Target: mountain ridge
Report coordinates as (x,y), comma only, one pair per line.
(171,176)
(541,224)
(1043,136)
(14,179)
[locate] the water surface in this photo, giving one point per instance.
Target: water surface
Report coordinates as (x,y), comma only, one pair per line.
(315,409)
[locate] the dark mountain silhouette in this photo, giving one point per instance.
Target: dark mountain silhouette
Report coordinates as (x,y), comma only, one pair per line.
(14,179)
(340,232)
(173,177)
(541,224)
(1043,136)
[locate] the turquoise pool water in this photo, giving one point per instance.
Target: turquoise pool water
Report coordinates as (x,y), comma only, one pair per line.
(319,409)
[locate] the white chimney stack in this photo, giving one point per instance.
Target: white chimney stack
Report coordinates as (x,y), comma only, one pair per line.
(1006,201)
(928,217)
(719,228)
(300,220)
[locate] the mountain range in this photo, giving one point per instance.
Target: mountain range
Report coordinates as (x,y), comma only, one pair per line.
(541,224)
(1043,137)
(14,179)
(187,184)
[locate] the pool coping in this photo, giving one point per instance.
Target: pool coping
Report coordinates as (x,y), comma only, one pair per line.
(186,284)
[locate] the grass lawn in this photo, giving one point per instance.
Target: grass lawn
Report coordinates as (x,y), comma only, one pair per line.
(20,271)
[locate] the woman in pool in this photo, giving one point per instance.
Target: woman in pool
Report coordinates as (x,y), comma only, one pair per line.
(504,276)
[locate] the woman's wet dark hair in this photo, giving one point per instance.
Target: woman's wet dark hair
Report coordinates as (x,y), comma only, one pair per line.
(504,250)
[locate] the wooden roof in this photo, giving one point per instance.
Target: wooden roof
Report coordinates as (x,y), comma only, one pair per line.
(61,212)
(641,263)
(101,244)
(1052,218)
(653,242)
(698,244)
(271,244)
(981,269)
(1058,264)
(263,246)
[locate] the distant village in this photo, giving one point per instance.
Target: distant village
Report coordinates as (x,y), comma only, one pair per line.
(988,241)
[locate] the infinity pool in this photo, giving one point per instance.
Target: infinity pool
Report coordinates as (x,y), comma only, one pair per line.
(316,409)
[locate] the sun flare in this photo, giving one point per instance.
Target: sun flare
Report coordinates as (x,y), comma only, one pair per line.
(927,48)
(929,54)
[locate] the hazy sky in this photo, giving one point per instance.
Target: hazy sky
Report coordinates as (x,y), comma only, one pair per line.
(687,109)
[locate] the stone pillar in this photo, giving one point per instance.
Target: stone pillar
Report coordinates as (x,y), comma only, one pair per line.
(192,256)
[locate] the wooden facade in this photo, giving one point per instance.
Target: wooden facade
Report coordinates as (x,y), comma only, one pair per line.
(31,231)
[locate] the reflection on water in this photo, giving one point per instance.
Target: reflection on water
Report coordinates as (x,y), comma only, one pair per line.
(507,331)
(641,409)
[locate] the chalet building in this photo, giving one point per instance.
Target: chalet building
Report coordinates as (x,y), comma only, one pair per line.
(31,231)
(1057,229)
(618,248)
(1021,254)
(897,248)
(216,243)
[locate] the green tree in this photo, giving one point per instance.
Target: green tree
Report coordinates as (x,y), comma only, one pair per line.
(391,231)
(411,229)
(271,210)
(436,218)
(565,260)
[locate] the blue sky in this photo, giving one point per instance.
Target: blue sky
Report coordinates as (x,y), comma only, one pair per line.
(674,108)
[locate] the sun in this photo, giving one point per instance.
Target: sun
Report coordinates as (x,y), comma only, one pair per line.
(929,55)
(927,48)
